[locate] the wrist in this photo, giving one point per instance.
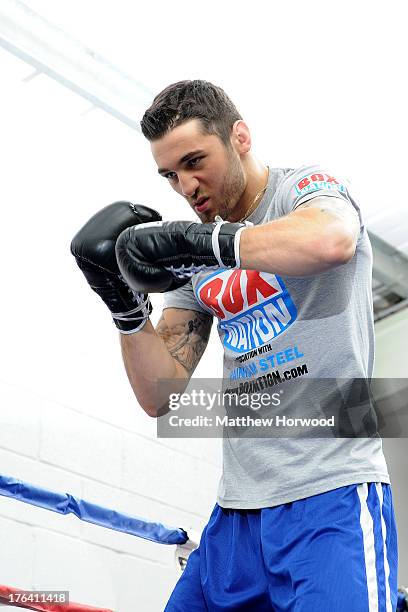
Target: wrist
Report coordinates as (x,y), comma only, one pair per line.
(133,320)
(127,329)
(242,246)
(235,231)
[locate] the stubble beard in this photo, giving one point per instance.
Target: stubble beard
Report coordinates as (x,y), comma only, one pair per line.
(231,191)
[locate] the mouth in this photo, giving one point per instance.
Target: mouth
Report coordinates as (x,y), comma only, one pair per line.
(201,205)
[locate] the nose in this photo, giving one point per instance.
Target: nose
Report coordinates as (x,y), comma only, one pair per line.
(188,184)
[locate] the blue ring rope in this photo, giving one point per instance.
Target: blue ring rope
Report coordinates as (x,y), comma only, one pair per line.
(65,503)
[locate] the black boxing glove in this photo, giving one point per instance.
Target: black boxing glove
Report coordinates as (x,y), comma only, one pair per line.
(162,256)
(94,250)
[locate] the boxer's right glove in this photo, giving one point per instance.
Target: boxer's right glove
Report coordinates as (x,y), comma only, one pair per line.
(94,250)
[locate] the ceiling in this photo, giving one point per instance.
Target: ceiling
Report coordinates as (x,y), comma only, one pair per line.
(313,81)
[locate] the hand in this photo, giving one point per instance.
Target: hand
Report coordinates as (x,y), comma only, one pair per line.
(161,256)
(94,250)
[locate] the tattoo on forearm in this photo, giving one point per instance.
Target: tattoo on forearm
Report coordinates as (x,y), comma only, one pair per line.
(187,340)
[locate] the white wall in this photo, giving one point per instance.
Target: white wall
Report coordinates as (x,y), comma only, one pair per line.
(68,418)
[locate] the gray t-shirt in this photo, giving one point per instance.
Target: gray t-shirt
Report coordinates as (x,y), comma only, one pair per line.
(322,324)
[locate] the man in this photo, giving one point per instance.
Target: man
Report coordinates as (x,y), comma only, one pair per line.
(282,258)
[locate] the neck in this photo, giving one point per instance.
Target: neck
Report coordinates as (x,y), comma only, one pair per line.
(257,179)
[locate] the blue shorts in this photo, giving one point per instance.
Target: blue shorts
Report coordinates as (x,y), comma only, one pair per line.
(336,552)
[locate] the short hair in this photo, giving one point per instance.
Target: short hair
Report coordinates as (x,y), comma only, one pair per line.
(186,100)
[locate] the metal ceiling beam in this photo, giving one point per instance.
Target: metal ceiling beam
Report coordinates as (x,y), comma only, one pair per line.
(390,266)
(55,53)
(387,312)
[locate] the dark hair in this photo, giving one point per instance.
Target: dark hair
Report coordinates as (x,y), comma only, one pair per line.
(186,100)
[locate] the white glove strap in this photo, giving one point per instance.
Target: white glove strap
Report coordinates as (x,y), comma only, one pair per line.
(133,331)
(143,307)
(237,241)
(214,241)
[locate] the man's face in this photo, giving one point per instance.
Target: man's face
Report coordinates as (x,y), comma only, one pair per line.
(200,168)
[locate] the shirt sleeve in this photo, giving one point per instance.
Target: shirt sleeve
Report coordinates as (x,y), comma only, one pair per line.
(308,182)
(183,297)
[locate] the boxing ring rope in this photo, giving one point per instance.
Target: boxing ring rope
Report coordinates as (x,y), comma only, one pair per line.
(65,503)
(7,592)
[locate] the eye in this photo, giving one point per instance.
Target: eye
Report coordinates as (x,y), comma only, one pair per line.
(170,176)
(194,161)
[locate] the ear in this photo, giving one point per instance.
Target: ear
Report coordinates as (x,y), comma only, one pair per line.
(241,137)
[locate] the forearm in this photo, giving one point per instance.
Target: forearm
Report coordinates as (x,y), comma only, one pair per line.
(299,244)
(170,352)
(147,360)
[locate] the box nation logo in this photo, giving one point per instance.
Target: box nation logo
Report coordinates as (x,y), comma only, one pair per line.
(252,307)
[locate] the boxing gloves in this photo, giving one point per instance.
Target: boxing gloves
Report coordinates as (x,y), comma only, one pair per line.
(161,256)
(94,250)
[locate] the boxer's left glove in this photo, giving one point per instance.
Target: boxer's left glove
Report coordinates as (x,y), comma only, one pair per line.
(94,250)
(162,256)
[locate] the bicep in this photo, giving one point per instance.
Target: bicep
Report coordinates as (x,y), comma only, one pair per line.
(329,208)
(185,333)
